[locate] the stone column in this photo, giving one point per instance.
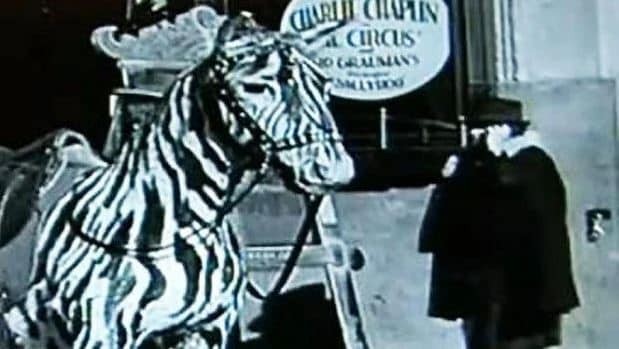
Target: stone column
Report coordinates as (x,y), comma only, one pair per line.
(537,40)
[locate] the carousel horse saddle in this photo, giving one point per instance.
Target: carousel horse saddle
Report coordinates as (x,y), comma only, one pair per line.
(32,179)
(27,176)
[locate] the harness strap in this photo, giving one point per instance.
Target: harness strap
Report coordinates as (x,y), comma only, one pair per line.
(312,205)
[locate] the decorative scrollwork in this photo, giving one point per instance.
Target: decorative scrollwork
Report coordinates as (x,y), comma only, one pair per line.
(189,38)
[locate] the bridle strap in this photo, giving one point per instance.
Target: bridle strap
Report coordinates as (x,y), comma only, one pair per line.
(265,141)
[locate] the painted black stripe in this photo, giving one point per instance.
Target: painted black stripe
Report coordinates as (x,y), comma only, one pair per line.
(133,169)
(79,187)
(41,311)
(76,320)
(170,116)
(152,219)
(121,235)
(196,177)
(61,328)
(180,157)
(82,285)
(185,254)
(199,219)
(68,242)
(212,264)
(116,183)
(176,194)
(121,331)
(198,117)
(94,223)
(79,216)
(195,126)
(307,91)
(33,329)
(68,269)
(53,232)
(171,139)
(135,324)
(156,285)
(214,337)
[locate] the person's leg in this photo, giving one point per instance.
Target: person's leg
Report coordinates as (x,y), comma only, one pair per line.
(533,342)
(471,333)
(481,330)
(531,331)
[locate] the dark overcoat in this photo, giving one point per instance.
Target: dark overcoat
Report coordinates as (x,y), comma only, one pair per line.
(498,232)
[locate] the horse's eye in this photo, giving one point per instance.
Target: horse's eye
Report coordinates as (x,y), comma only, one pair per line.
(254,88)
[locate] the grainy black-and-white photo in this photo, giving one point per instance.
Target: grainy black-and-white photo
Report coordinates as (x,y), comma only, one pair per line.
(333,174)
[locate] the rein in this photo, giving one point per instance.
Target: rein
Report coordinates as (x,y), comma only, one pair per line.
(312,204)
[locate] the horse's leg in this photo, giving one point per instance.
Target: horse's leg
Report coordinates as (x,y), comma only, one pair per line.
(110,302)
(101,331)
(220,333)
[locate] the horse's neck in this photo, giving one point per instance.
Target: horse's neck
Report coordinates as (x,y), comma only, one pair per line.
(167,179)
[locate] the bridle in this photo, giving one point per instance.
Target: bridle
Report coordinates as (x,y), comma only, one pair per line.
(217,67)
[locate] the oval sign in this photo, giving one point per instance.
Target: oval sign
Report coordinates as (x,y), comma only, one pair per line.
(385,49)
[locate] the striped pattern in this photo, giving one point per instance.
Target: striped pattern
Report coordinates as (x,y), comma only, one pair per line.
(141,249)
(132,250)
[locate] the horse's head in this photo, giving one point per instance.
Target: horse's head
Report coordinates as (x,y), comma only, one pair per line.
(273,97)
(270,97)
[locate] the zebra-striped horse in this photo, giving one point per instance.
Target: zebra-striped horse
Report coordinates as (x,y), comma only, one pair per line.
(140,249)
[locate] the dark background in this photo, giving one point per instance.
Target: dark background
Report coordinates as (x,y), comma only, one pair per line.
(54,78)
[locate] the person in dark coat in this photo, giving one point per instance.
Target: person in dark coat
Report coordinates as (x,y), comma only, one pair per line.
(496,227)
